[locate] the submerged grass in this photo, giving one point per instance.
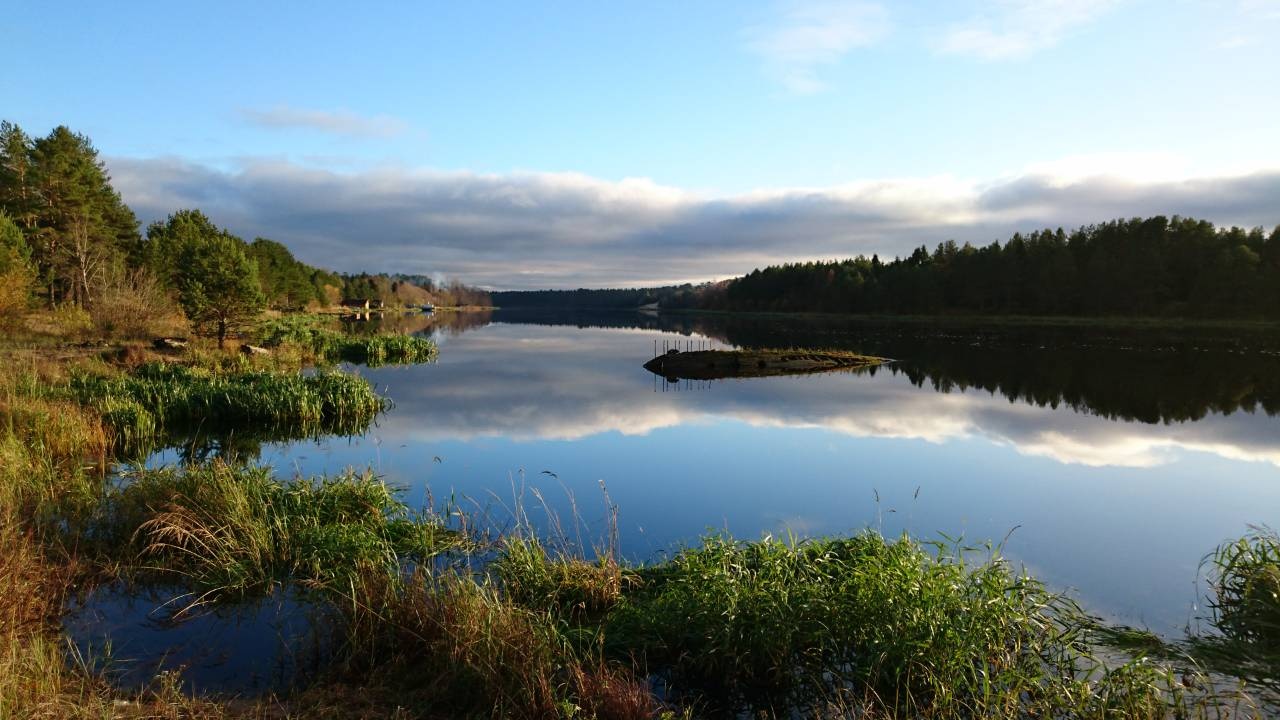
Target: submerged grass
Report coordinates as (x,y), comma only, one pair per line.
(309,333)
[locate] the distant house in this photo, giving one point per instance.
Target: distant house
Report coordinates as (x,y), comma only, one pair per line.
(356,304)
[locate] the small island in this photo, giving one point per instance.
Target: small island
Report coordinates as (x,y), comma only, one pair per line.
(718,364)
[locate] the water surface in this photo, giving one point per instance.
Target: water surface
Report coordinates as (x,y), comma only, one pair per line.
(1112,461)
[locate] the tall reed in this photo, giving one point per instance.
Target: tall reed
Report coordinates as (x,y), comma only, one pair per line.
(1246,583)
(165,397)
(231,531)
(330,345)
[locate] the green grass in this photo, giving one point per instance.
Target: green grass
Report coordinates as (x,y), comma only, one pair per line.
(159,401)
(890,624)
(231,532)
(1246,580)
(565,584)
(454,645)
(331,345)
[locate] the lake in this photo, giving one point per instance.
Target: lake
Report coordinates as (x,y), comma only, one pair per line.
(1108,462)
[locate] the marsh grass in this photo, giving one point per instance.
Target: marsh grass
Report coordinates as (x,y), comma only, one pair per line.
(1244,577)
(326,344)
(564,584)
(861,626)
(161,399)
(232,532)
(460,647)
(774,623)
(1246,583)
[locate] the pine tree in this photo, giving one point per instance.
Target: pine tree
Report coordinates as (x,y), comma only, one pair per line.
(81,224)
(17,193)
(218,285)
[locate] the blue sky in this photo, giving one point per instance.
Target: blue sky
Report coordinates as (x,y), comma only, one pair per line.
(674,121)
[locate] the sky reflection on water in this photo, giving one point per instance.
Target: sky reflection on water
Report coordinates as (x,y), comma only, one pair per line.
(1120,511)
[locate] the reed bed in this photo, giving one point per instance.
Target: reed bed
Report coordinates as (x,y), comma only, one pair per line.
(159,398)
(309,333)
(455,646)
(904,628)
(1246,581)
(230,532)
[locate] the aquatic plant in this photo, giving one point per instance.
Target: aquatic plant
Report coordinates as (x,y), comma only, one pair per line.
(235,531)
(454,643)
(331,345)
(1246,583)
(566,584)
(160,398)
(907,629)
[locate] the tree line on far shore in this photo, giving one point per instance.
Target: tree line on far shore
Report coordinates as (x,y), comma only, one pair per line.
(68,240)
(1156,266)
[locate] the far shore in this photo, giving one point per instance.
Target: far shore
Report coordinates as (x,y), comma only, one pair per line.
(1119,322)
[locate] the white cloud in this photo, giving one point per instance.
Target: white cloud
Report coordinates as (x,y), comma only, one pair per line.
(524,230)
(334,122)
(812,34)
(1017,28)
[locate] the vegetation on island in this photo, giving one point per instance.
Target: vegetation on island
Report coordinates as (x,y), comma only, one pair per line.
(718,364)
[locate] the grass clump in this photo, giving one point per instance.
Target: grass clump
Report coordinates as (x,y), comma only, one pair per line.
(331,345)
(1247,587)
(566,584)
(1244,575)
(232,532)
(910,632)
(159,399)
(461,648)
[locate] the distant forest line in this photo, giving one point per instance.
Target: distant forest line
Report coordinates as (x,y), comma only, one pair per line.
(1157,266)
(67,238)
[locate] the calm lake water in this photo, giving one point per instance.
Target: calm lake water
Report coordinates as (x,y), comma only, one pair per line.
(1112,461)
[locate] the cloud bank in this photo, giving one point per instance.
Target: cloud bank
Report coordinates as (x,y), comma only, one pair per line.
(540,230)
